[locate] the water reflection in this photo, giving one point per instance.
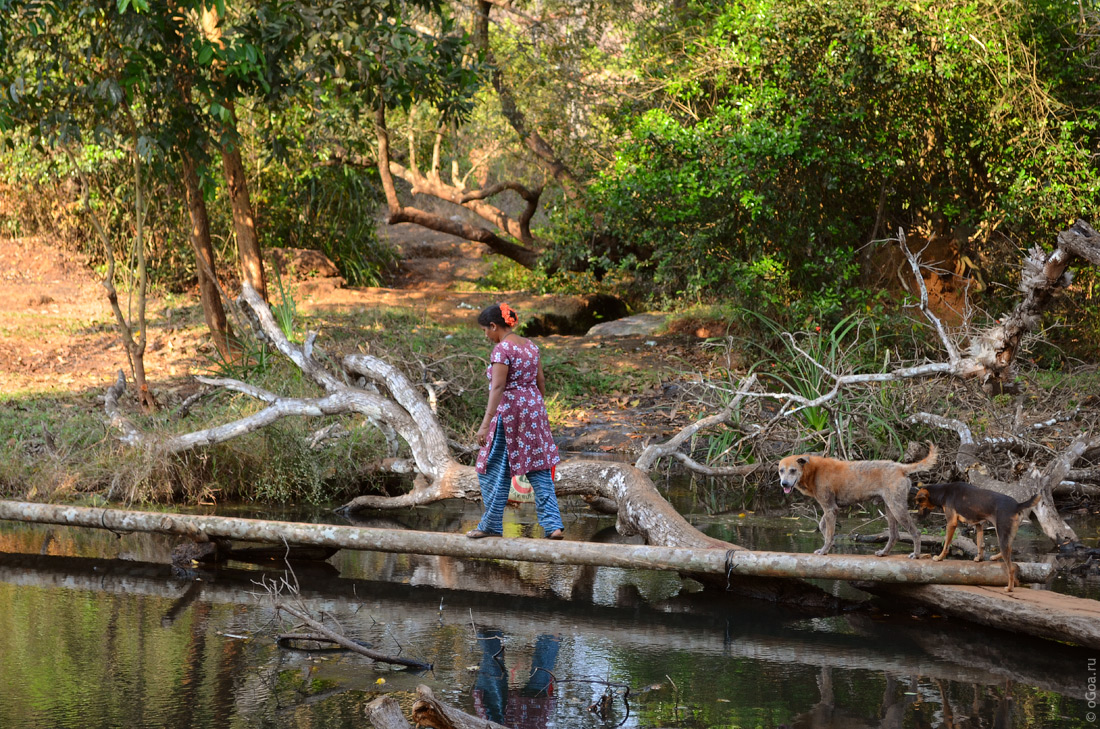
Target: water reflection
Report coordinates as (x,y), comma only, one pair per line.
(90,642)
(526,707)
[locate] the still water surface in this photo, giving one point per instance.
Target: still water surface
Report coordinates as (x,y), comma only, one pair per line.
(96,630)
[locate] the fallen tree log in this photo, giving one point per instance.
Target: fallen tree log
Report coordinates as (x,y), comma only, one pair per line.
(704,561)
(1035,612)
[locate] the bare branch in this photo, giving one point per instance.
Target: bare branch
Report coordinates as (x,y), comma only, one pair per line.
(653,453)
(341,640)
(914,263)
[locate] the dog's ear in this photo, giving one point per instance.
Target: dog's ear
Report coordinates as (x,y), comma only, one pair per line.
(803,460)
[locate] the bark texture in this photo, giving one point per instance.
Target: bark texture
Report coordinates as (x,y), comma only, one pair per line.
(244,219)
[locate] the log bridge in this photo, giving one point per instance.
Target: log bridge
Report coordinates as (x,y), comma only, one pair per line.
(630,556)
(1036,612)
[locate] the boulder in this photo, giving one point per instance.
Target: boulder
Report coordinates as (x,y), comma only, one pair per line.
(646,324)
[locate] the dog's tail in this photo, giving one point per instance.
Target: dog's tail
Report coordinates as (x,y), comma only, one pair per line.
(1029,504)
(923,464)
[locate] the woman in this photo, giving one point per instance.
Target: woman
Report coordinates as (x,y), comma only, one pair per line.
(515,433)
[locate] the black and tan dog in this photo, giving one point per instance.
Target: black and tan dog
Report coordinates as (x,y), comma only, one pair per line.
(963,502)
(835,483)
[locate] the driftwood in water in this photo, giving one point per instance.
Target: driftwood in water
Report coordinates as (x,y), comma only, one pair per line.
(385,713)
(715,562)
(428,711)
(343,641)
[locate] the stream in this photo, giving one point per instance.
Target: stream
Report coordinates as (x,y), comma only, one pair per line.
(98,630)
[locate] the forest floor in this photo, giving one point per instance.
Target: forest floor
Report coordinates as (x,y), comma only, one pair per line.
(58,336)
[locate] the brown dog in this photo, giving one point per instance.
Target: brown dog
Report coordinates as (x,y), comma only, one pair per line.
(835,483)
(963,502)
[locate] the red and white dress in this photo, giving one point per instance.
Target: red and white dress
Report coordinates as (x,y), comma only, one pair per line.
(522,412)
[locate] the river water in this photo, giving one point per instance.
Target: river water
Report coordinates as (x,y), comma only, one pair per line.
(98,630)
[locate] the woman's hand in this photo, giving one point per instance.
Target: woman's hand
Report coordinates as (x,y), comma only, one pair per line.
(483,435)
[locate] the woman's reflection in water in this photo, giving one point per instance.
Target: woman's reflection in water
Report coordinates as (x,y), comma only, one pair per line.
(529,707)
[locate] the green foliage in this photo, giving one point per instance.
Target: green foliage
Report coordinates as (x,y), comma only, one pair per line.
(285,309)
(787,136)
(803,364)
(506,275)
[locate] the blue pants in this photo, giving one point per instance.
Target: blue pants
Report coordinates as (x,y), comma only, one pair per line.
(496,483)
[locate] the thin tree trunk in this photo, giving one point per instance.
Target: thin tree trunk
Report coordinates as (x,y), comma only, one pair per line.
(212,309)
(244,220)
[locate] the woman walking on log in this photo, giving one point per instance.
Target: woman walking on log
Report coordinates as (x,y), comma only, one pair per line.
(515,433)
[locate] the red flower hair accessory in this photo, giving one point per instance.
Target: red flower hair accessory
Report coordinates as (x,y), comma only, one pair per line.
(508,314)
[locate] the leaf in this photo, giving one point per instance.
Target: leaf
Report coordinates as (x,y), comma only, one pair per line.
(122,5)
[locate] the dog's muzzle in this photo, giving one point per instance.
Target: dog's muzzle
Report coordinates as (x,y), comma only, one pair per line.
(787,487)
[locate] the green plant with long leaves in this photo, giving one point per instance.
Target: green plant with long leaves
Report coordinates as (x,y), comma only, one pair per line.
(806,364)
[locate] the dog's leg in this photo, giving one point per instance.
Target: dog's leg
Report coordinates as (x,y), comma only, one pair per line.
(914,530)
(828,526)
(1004,538)
(892,533)
(979,539)
(952,521)
(896,513)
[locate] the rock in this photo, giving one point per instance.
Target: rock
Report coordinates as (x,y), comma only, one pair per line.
(636,325)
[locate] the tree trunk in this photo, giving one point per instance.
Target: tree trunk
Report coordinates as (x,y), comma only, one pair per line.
(1036,612)
(205,266)
(244,221)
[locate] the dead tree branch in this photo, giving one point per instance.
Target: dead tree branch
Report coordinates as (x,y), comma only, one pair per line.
(326,634)
(991,355)
(653,453)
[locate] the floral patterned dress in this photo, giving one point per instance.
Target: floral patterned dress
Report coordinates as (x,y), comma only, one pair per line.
(521,411)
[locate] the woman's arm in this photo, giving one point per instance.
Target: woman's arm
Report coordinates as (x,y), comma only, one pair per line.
(496,391)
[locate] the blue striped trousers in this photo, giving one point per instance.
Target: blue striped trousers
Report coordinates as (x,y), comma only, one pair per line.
(496,482)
